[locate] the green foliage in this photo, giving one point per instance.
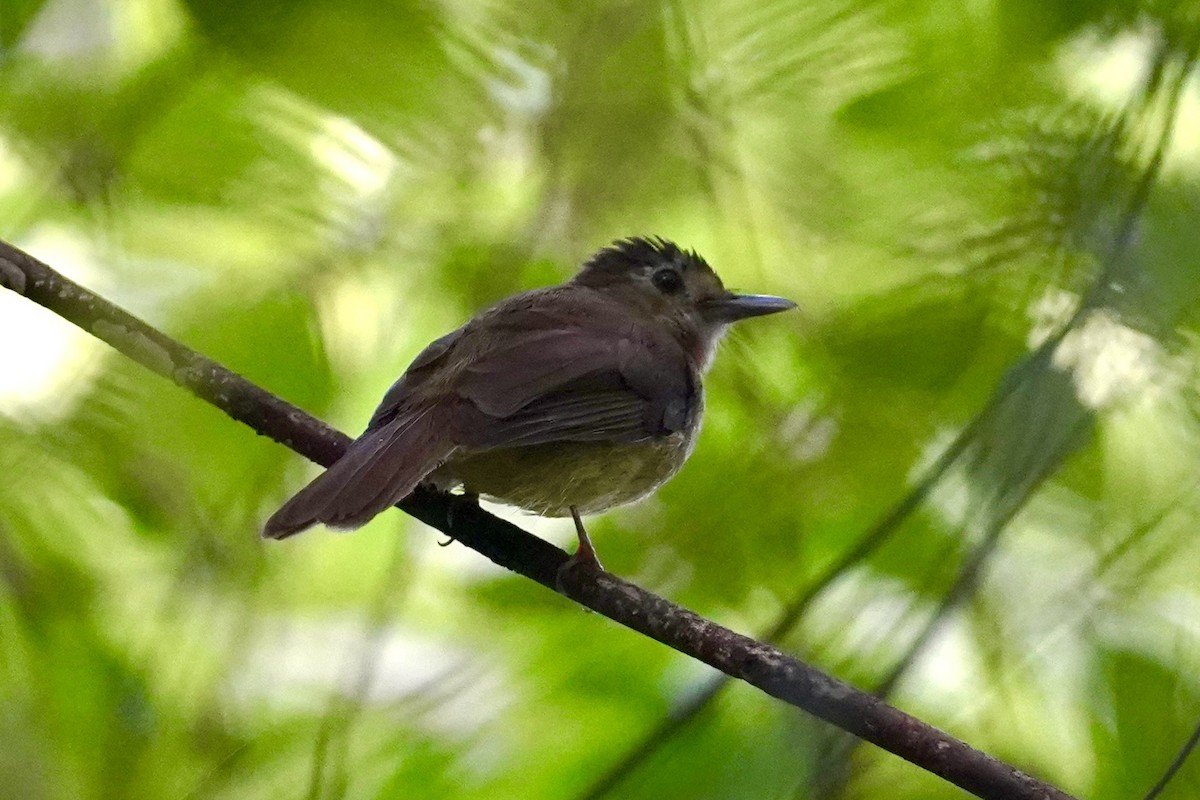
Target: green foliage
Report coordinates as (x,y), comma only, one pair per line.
(309,192)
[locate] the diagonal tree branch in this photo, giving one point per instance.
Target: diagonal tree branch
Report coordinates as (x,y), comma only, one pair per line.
(759,664)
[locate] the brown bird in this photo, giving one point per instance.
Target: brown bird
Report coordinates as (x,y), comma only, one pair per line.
(562,401)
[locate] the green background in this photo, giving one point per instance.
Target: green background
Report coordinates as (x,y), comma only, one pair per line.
(988,211)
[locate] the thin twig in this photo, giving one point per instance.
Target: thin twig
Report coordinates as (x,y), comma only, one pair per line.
(1176,764)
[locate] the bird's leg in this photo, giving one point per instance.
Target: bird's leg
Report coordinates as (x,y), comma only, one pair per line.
(585,554)
(456,501)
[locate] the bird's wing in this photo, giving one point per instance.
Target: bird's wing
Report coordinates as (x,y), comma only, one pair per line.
(576,384)
(399,395)
(380,468)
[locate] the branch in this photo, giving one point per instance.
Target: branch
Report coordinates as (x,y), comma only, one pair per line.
(738,656)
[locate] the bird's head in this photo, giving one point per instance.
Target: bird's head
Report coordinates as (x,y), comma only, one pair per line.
(658,279)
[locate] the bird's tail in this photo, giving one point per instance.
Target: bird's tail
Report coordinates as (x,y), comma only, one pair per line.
(380,468)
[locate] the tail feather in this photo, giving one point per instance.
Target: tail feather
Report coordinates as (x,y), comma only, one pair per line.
(380,468)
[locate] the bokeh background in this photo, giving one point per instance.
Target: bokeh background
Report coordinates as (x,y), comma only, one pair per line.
(965,476)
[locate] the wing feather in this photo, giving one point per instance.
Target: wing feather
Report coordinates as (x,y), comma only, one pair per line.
(572,385)
(380,468)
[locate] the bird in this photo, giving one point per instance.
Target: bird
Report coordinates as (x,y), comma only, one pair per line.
(563,401)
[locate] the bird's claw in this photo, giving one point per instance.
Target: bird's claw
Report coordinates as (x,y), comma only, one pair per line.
(584,557)
(589,565)
(456,502)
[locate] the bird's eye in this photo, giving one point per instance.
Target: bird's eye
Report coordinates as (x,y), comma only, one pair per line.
(667,280)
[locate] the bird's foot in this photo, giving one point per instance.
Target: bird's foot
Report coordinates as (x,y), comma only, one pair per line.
(458,502)
(584,558)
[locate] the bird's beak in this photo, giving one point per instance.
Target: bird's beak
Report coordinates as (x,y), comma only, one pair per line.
(733,307)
